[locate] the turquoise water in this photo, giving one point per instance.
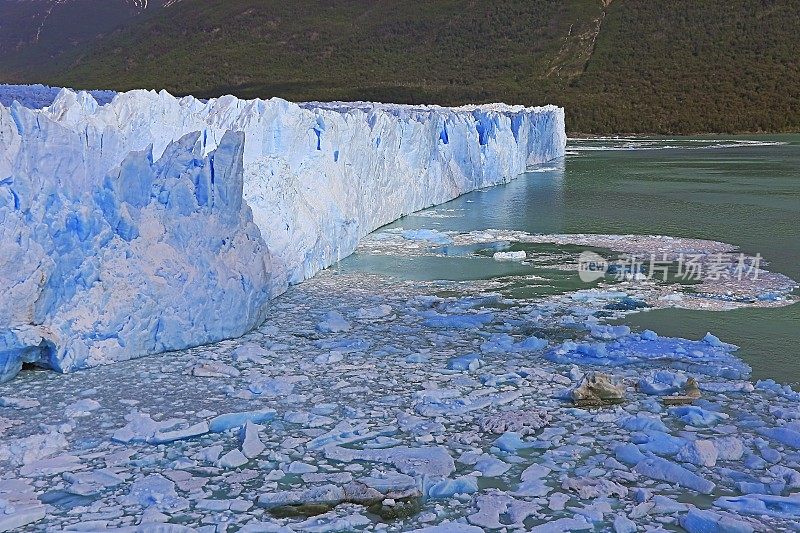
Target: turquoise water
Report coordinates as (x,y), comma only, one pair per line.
(743,191)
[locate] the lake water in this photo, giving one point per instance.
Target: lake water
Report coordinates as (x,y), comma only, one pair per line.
(739,190)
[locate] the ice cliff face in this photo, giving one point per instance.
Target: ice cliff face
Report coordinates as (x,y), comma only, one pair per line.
(320,176)
(124,231)
(101,265)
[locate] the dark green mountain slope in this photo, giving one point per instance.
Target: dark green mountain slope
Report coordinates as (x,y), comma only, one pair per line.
(622,66)
(34,33)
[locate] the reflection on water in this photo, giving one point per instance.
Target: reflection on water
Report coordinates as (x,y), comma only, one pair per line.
(534,202)
(744,191)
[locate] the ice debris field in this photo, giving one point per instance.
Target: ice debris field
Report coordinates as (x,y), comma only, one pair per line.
(365,403)
(356,401)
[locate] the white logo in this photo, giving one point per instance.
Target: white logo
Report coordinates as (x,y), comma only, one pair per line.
(591,266)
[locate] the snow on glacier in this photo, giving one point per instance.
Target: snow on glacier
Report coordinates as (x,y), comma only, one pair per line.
(124,232)
(38,96)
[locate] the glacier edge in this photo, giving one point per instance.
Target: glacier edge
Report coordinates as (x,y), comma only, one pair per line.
(97,201)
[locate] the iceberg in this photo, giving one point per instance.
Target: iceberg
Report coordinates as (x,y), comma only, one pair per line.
(154,223)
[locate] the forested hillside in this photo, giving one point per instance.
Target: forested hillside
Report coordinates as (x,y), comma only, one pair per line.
(617,66)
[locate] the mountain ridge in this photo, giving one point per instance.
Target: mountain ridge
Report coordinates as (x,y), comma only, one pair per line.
(628,66)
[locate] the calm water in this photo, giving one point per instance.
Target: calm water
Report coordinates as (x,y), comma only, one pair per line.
(745,192)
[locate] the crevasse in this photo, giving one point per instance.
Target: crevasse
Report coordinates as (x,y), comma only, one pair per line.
(124,231)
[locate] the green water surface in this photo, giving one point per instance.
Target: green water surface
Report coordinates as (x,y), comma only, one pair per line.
(745,192)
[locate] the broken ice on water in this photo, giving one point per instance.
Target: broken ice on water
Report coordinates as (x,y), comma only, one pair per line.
(432,406)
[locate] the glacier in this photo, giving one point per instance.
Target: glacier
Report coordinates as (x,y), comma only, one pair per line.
(155,223)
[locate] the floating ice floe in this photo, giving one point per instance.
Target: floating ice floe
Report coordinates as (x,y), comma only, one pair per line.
(509,256)
(708,356)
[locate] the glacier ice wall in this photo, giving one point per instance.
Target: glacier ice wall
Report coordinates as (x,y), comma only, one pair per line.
(100,265)
(111,244)
(319,176)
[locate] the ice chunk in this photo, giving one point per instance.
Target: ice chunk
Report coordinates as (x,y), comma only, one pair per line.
(490,466)
(82,407)
(26,450)
(432,461)
(333,322)
(729,448)
(784,435)
(588,488)
(762,504)
(214,369)
(509,256)
(512,442)
(163,437)
(298,467)
(664,470)
(782,390)
(522,422)
(505,343)
(251,352)
(251,443)
(391,484)
(451,403)
(51,466)
(142,428)
(470,361)
(561,525)
(642,422)
(155,490)
(459,321)
(209,454)
(234,420)
(18,403)
(622,524)
(232,459)
(449,487)
(324,494)
(658,442)
(495,506)
(662,383)
(17,518)
(707,521)
(449,527)
(715,359)
(697,416)
(374,313)
(606,332)
(272,386)
(699,452)
(430,235)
